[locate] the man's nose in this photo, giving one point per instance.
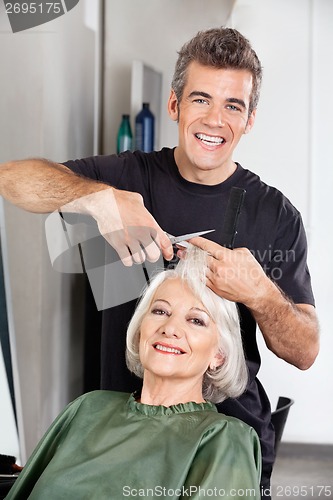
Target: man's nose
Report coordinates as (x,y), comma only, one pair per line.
(214,116)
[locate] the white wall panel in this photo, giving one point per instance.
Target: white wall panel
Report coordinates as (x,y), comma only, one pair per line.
(291,148)
(47,110)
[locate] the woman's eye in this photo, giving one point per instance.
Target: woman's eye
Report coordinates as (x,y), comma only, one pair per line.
(198,321)
(159,312)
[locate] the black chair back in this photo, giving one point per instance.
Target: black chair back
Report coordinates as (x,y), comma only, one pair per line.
(279,418)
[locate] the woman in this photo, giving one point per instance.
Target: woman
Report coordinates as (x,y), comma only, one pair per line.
(168,441)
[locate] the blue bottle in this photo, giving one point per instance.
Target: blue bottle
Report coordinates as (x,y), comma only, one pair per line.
(145,129)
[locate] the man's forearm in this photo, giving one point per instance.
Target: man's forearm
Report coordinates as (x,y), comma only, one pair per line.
(41,186)
(290,330)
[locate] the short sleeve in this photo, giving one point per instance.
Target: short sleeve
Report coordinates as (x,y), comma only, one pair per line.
(108,168)
(288,266)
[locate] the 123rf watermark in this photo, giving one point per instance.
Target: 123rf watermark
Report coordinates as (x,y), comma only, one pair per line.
(24,14)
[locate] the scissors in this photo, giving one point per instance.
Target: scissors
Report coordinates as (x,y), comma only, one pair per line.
(181,240)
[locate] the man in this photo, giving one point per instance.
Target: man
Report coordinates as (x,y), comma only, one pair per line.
(215,92)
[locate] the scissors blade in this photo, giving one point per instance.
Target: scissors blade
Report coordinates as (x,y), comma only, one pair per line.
(184,237)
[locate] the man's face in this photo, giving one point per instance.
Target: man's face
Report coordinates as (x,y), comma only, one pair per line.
(212,116)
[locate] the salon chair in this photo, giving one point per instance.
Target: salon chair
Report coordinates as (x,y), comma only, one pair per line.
(279,418)
(8,474)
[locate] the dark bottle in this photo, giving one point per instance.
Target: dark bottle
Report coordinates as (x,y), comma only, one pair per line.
(145,129)
(125,136)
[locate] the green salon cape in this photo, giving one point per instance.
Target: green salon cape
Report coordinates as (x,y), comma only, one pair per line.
(105,445)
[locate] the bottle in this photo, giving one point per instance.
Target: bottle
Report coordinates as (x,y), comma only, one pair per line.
(145,129)
(125,136)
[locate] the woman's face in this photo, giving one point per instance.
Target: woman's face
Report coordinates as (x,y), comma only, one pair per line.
(178,338)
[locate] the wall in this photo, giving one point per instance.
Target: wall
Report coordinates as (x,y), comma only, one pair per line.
(291,148)
(152,31)
(47,110)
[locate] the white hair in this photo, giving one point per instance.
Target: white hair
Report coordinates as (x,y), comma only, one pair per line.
(226,381)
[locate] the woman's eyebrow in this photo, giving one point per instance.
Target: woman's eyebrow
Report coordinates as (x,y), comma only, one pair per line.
(198,309)
(201,310)
(192,308)
(160,300)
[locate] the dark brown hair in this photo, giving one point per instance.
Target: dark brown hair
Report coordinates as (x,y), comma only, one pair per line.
(223,48)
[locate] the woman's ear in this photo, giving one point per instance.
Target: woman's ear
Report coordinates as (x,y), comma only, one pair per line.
(173,106)
(217,361)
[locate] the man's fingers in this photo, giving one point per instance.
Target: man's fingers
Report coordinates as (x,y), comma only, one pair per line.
(148,246)
(148,239)
(153,252)
(214,249)
(210,284)
(124,254)
(164,243)
(135,245)
(122,244)
(138,255)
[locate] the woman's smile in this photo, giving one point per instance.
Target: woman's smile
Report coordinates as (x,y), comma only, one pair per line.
(167,349)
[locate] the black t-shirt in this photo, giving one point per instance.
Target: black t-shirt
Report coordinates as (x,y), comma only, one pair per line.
(268,225)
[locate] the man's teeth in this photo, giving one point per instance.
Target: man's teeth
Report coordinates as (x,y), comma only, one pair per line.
(209,139)
(167,349)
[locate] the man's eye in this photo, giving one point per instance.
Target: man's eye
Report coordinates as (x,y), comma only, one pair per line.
(233,108)
(200,101)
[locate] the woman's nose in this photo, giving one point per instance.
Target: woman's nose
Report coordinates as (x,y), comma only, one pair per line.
(172,328)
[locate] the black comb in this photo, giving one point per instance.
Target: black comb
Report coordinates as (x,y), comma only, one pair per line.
(234,206)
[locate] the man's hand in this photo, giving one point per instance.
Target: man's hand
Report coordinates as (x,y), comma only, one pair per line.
(234,274)
(290,330)
(126,224)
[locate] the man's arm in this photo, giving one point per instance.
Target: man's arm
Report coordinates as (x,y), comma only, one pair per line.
(290,330)
(42,186)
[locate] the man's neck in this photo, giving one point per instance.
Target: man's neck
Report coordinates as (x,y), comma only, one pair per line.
(208,177)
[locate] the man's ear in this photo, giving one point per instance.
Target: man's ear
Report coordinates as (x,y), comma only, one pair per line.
(250,122)
(173,106)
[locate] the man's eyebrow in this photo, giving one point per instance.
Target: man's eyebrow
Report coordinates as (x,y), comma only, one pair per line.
(200,93)
(234,100)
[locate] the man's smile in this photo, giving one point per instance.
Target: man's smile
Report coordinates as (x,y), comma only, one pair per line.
(210,140)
